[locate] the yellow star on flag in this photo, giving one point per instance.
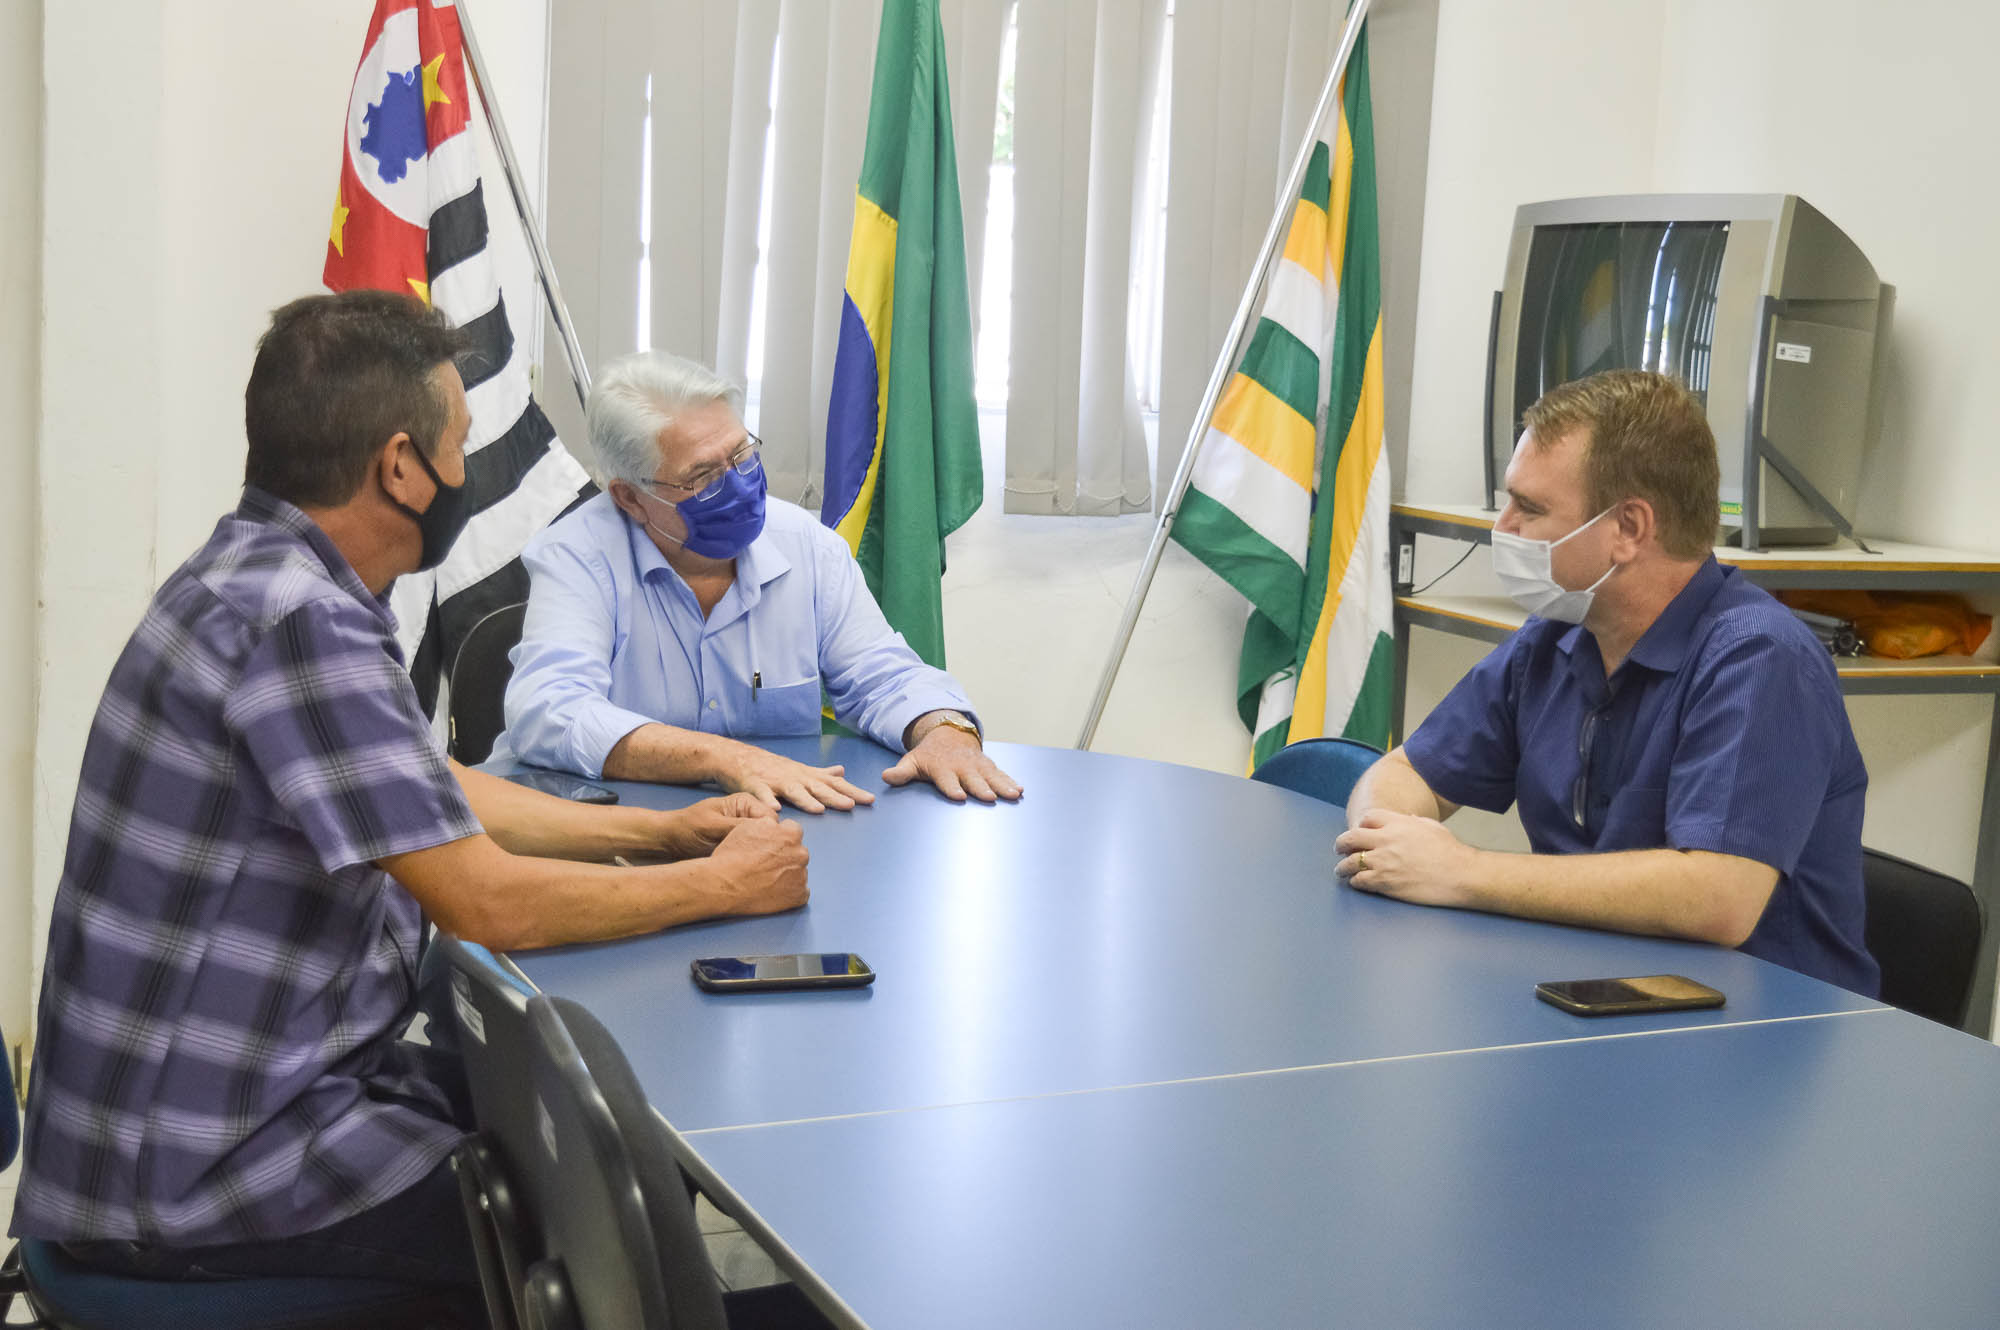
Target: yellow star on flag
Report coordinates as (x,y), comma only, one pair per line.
(336,235)
(433,94)
(423,289)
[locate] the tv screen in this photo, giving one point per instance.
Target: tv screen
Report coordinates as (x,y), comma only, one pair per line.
(1617,295)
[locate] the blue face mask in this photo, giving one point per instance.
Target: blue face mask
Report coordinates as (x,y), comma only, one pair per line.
(722,525)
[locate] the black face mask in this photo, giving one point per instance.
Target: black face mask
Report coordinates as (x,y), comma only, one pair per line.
(441,523)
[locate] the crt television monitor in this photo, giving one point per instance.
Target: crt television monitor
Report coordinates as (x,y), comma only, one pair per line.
(1764,308)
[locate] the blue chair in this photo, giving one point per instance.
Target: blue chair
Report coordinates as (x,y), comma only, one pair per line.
(1326,769)
(64,1294)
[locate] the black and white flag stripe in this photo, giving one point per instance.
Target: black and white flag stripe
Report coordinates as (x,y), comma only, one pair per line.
(522,477)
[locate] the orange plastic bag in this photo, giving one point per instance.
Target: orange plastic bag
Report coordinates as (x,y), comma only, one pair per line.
(1902,625)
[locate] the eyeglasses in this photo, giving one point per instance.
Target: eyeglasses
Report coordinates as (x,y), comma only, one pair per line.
(1586,741)
(747,460)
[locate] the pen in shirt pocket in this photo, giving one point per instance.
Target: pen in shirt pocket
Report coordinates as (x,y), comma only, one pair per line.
(756,682)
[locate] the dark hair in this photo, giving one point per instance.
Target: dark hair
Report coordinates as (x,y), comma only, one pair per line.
(336,377)
(1647,438)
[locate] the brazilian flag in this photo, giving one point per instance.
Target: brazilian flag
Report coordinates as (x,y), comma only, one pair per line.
(902,430)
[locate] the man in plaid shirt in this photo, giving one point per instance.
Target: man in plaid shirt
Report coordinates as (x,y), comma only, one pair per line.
(221,1088)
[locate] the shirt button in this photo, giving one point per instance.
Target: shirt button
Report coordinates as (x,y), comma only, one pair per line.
(713,704)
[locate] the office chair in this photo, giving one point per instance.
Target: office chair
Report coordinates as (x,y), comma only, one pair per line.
(491,1007)
(566,1241)
(665,1189)
(1326,769)
(1923,929)
(63,1294)
(569,1235)
(600,1264)
(478,682)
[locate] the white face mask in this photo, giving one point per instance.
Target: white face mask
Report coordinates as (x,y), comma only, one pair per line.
(1524,569)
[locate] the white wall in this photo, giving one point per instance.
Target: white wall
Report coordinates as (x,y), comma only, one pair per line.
(1537,100)
(1882,118)
(1885,118)
(191,154)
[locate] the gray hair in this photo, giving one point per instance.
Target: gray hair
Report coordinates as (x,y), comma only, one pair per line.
(637,396)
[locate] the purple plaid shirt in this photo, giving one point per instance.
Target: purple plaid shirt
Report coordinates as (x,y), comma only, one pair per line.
(228,973)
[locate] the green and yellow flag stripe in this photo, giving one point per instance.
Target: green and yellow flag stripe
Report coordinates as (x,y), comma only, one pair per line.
(1293,516)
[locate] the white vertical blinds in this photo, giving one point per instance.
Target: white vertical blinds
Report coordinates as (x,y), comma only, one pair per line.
(692,46)
(1243,77)
(1246,75)
(743,153)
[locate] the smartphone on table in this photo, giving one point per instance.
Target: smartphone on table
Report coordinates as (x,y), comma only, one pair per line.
(1626,997)
(563,785)
(763,974)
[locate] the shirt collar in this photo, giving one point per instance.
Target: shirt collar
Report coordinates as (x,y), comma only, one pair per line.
(1664,645)
(762,563)
(268,509)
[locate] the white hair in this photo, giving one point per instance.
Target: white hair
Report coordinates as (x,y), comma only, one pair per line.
(637,396)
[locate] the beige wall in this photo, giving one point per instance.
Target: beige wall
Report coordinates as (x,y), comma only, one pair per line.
(20,320)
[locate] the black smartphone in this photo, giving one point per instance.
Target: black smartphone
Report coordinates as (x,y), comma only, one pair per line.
(1624,997)
(563,785)
(762,974)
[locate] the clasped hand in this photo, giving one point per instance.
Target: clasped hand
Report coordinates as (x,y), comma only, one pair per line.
(1408,857)
(701,826)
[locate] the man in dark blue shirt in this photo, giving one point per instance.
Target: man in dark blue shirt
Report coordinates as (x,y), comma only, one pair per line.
(1674,737)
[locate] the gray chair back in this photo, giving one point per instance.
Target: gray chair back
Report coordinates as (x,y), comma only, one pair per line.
(490,1005)
(601,1267)
(478,682)
(693,1292)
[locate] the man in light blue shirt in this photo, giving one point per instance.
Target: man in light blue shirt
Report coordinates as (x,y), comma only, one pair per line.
(682,610)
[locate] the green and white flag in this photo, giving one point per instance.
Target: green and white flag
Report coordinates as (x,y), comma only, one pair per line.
(1289,501)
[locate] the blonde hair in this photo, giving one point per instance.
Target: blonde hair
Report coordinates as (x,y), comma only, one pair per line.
(1646,437)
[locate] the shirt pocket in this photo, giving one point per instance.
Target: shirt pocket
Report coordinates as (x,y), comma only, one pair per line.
(779,709)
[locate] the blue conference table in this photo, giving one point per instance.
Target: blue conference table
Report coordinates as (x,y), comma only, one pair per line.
(1134,1058)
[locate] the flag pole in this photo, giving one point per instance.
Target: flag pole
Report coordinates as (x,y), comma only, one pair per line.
(510,166)
(1239,332)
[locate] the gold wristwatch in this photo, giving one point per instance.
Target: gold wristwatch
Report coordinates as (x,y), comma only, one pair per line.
(958,720)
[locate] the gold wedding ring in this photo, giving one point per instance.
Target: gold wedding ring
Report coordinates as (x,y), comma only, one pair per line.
(1361,861)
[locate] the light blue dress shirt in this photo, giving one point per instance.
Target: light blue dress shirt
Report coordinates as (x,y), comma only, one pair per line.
(614,639)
